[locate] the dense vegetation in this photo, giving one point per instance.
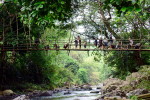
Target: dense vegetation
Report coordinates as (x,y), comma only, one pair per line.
(23,21)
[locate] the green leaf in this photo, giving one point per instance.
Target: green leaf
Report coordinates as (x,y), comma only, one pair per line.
(111,1)
(141,1)
(130,8)
(59,9)
(62,15)
(118,2)
(138,9)
(62,2)
(40,6)
(123,9)
(39,3)
(33,13)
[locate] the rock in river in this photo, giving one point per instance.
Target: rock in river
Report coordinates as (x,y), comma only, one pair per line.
(47,93)
(95,91)
(68,92)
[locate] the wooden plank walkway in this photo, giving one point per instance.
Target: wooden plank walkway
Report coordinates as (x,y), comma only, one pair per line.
(34,49)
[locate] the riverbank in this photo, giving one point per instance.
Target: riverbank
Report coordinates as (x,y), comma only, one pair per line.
(135,84)
(75,92)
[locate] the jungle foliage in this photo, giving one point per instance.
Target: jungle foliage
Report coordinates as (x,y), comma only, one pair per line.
(23,21)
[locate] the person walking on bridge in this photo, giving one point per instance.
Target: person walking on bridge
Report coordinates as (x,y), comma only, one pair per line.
(76,43)
(100,43)
(79,40)
(130,43)
(95,42)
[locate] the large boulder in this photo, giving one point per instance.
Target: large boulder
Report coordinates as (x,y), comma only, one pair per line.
(137,92)
(7,92)
(86,87)
(77,89)
(57,90)
(111,84)
(119,93)
(21,97)
(47,93)
(133,76)
(110,88)
(112,81)
(105,95)
(66,93)
(1,93)
(98,88)
(96,91)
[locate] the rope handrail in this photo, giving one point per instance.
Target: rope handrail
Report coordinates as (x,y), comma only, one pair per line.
(89,44)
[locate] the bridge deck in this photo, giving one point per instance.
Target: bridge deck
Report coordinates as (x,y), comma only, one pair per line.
(75,50)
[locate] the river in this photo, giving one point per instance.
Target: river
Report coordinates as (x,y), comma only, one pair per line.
(75,95)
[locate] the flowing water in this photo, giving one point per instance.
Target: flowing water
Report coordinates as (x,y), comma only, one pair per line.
(75,95)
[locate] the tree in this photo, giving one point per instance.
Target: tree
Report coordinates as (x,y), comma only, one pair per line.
(21,22)
(121,19)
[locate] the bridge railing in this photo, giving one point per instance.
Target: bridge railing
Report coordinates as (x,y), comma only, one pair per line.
(90,44)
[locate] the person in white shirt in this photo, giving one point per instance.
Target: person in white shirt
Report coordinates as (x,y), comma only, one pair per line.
(105,42)
(130,43)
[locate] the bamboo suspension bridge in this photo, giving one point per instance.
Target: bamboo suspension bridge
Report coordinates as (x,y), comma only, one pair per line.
(84,45)
(21,40)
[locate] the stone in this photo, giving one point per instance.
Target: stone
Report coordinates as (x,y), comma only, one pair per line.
(66,93)
(111,84)
(112,81)
(86,87)
(1,92)
(47,93)
(137,92)
(111,88)
(98,88)
(119,93)
(7,92)
(105,95)
(94,91)
(21,97)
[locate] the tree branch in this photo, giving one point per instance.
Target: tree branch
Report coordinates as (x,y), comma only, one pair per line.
(106,22)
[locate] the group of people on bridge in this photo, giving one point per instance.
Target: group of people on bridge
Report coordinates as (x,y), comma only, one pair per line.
(102,43)
(109,43)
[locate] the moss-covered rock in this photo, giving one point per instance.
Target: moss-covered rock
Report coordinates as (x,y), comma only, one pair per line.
(136,81)
(7,92)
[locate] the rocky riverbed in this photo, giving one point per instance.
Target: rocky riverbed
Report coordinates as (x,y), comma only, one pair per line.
(135,84)
(111,89)
(83,92)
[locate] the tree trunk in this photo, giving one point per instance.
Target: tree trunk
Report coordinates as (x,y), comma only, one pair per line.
(2,67)
(106,22)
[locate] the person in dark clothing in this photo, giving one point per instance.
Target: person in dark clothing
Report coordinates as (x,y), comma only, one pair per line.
(47,47)
(110,40)
(56,46)
(66,46)
(95,42)
(138,46)
(105,43)
(37,41)
(100,43)
(79,40)
(119,46)
(76,43)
